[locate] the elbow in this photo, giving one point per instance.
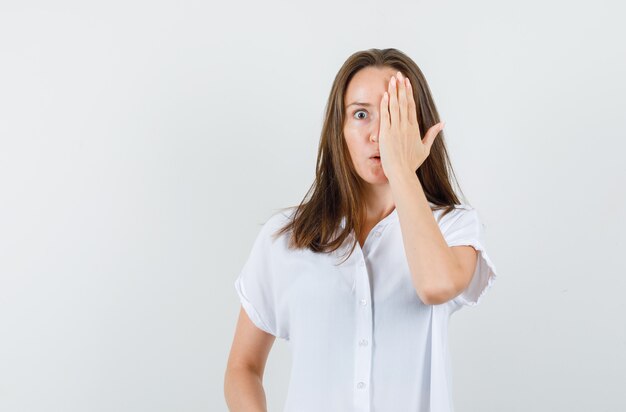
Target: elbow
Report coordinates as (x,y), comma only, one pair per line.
(438,289)
(432,298)
(437,295)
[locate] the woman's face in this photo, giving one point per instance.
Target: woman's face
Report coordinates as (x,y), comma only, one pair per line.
(362,120)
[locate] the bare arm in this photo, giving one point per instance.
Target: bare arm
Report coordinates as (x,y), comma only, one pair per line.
(438,275)
(243,380)
(243,390)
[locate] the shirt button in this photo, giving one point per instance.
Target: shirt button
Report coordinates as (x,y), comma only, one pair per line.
(377,234)
(363,342)
(363,302)
(361,385)
(361,263)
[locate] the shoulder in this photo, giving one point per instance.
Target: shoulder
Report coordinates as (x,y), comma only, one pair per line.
(463,210)
(268,233)
(458,211)
(461,214)
(463,206)
(280,218)
(463,224)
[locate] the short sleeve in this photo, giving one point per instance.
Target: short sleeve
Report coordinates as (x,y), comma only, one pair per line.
(466,228)
(257,285)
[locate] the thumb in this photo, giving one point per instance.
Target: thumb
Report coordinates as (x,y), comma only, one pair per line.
(433,132)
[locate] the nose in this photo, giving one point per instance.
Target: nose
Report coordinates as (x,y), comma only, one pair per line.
(374,132)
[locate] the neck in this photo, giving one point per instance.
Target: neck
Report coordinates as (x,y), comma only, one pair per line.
(378,202)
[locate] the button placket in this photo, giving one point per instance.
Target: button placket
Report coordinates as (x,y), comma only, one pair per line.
(364,329)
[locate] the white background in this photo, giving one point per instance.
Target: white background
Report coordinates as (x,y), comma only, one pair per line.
(143,143)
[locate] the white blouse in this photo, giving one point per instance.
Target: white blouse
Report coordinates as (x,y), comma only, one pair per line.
(360,337)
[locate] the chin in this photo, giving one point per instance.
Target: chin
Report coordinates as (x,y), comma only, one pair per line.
(379,179)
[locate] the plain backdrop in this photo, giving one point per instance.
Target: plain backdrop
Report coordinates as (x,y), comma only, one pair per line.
(144,143)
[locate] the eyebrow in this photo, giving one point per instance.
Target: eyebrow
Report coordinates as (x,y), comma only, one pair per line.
(358,104)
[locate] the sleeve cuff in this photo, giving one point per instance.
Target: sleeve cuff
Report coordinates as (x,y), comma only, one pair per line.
(253,314)
(483,278)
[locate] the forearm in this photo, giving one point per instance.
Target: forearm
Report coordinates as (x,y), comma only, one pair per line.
(243,390)
(429,257)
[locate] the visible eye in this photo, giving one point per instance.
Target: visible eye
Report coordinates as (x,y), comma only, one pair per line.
(360,111)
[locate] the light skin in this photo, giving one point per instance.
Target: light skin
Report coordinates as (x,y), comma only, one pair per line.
(361,130)
(385,121)
(438,272)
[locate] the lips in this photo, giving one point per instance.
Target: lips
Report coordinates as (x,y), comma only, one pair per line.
(375,155)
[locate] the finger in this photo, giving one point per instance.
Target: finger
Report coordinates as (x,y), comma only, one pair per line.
(411,103)
(384,115)
(393,102)
(402,98)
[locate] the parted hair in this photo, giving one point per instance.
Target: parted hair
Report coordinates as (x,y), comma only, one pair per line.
(338,191)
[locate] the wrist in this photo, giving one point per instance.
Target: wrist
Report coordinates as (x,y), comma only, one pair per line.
(403,176)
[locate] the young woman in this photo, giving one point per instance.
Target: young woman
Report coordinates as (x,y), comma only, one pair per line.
(368,332)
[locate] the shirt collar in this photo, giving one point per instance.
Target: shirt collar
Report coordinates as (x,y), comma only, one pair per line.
(390,217)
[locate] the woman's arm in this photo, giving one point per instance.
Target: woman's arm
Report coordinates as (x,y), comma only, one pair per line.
(243,380)
(439,272)
(243,389)
(436,271)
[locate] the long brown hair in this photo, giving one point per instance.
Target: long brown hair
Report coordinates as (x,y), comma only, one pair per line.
(337,191)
